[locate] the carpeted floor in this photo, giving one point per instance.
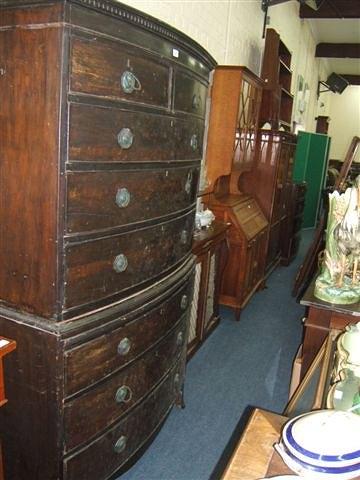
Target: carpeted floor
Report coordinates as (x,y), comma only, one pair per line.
(241,365)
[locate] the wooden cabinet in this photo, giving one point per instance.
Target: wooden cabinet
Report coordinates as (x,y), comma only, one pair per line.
(277,104)
(291,227)
(269,182)
(210,246)
(97,210)
(233,124)
(244,271)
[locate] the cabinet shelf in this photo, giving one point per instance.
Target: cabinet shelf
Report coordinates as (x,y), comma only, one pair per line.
(277,102)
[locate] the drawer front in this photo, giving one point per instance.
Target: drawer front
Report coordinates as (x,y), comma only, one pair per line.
(190,94)
(100,200)
(107,134)
(106,454)
(110,69)
(100,268)
(108,401)
(98,358)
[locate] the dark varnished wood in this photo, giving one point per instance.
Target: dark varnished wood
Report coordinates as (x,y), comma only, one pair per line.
(91,203)
(30,108)
(93,136)
(33,385)
(136,427)
(190,94)
(94,410)
(61,299)
(150,252)
(98,64)
(98,358)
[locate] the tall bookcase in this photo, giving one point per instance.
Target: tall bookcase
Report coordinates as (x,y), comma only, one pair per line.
(277,101)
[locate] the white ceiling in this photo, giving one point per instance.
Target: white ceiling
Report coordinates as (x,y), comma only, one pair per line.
(338,31)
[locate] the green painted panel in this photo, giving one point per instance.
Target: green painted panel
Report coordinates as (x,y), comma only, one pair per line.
(311,159)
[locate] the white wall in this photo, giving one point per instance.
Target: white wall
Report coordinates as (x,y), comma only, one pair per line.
(231,31)
(344,121)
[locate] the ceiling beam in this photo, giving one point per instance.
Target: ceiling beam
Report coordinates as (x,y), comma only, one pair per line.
(332,9)
(338,50)
(352,79)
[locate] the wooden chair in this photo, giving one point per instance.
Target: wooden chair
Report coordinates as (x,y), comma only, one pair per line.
(6,346)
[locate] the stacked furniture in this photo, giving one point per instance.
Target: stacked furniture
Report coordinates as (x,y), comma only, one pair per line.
(232,134)
(311,163)
(102,124)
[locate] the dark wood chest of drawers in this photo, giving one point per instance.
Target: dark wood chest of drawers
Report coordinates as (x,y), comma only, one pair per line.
(102,119)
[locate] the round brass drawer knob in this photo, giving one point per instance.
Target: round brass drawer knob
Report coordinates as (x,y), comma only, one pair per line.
(194,142)
(188,183)
(120,263)
(120,444)
(125,138)
(122,198)
(123,394)
(180,339)
(124,346)
(184,302)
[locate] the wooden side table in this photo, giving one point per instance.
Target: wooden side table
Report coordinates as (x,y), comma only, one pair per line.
(210,247)
(320,319)
(6,346)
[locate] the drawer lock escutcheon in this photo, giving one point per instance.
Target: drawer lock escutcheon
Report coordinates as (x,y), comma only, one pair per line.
(123,394)
(120,444)
(120,263)
(124,346)
(125,138)
(129,82)
(122,197)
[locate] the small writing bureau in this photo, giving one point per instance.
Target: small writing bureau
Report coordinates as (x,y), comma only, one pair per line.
(102,120)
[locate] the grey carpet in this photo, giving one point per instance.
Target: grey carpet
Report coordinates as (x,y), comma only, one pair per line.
(241,365)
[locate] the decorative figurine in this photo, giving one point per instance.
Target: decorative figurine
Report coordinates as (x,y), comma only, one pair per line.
(339,281)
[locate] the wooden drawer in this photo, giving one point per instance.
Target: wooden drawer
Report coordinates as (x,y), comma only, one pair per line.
(190,94)
(108,134)
(104,199)
(108,401)
(99,268)
(107,453)
(112,70)
(104,355)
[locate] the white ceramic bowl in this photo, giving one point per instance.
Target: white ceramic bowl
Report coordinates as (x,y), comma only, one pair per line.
(324,438)
(315,472)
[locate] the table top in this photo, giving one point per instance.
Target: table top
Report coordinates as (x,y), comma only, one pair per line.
(310,300)
(254,457)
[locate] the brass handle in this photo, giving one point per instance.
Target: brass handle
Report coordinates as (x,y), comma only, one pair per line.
(180,339)
(129,82)
(123,394)
(120,263)
(122,198)
(125,138)
(184,237)
(196,101)
(124,346)
(120,444)
(177,382)
(194,142)
(188,183)
(184,302)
